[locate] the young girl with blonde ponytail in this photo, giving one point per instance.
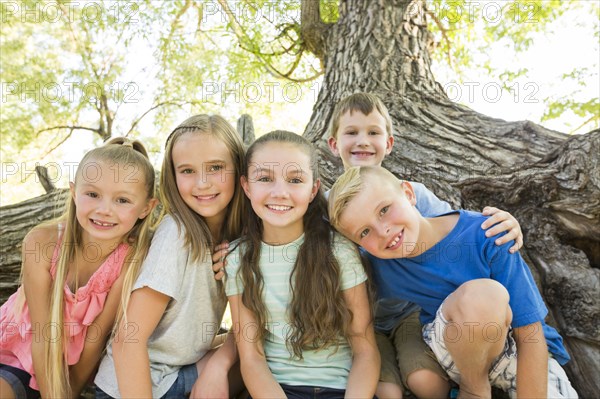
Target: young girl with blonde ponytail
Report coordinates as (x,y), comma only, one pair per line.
(54,328)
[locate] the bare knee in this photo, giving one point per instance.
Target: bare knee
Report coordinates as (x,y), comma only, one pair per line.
(481,300)
(6,391)
(427,384)
(388,390)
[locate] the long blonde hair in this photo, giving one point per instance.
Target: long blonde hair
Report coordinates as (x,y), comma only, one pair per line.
(119,151)
(197,234)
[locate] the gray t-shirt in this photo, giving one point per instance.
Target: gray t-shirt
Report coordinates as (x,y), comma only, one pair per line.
(191,320)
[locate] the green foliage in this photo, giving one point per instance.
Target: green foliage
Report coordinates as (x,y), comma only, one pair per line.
(72,68)
(460,26)
(61,68)
(464,31)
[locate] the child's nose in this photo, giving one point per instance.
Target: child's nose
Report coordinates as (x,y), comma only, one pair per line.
(203,181)
(105,207)
(363,139)
(383,230)
(279,191)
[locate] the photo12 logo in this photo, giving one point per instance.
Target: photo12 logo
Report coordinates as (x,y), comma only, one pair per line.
(254,92)
(53,92)
(69,11)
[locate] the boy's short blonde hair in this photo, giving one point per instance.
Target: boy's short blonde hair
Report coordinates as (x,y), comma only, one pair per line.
(363,102)
(345,188)
(348,185)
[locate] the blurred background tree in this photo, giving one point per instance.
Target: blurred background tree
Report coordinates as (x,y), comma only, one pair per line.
(76,73)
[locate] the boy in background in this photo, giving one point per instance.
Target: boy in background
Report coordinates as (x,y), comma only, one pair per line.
(480,304)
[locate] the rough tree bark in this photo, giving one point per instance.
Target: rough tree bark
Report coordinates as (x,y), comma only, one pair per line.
(549,182)
(15,221)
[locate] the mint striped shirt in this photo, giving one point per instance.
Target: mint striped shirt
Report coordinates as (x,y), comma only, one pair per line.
(325,368)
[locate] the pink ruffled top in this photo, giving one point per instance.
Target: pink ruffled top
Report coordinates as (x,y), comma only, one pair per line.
(81,309)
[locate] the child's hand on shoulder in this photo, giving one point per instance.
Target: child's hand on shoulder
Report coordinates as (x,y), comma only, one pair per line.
(218,258)
(500,221)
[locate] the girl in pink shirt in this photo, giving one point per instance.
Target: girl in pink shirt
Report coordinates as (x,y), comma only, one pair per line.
(54,328)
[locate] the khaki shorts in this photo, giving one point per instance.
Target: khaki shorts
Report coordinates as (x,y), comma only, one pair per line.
(403,351)
(503,371)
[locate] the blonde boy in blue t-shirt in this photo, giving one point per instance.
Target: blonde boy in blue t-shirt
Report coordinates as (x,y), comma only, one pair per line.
(482,311)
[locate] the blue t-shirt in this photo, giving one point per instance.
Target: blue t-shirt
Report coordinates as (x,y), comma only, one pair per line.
(465,254)
(390,311)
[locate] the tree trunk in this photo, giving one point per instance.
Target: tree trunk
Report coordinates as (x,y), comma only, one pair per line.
(549,183)
(15,221)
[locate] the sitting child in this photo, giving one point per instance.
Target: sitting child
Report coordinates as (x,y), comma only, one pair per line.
(480,305)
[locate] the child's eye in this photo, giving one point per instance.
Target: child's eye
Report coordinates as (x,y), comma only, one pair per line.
(123,201)
(215,168)
(92,195)
(351,132)
(296,180)
(186,171)
(373,133)
(384,210)
(364,233)
(263,179)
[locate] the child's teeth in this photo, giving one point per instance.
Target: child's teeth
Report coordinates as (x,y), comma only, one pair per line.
(279,207)
(394,242)
(102,224)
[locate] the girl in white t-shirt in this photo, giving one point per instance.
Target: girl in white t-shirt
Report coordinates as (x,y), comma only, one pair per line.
(162,346)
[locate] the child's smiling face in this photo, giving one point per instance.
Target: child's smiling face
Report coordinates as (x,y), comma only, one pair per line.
(205,175)
(280,186)
(382,219)
(361,140)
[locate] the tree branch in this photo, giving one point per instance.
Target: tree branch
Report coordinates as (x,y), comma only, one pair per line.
(243,37)
(444,36)
(46,182)
(593,117)
(313,30)
(71,129)
(138,120)
(68,127)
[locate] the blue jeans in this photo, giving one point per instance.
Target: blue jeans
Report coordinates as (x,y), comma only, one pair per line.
(181,388)
(19,382)
(310,392)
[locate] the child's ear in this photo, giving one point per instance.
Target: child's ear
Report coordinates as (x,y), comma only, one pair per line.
(149,207)
(315,189)
(244,183)
(389,144)
(72,189)
(409,192)
(332,142)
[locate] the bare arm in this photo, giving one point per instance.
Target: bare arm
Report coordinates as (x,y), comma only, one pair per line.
(95,341)
(130,349)
(212,379)
(499,222)
(532,364)
(37,284)
(256,373)
(366,362)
